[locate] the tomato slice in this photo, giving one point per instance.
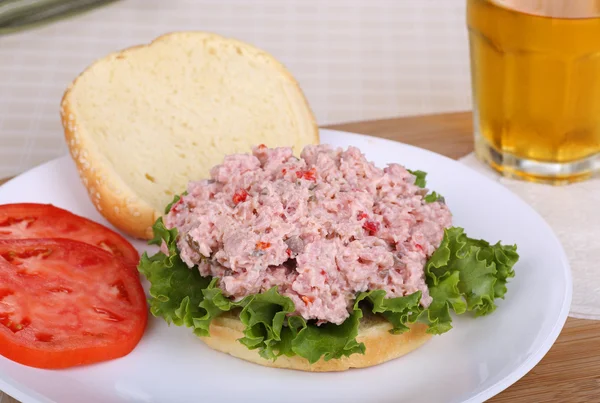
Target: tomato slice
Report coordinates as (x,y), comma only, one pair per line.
(65,303)
(32,220)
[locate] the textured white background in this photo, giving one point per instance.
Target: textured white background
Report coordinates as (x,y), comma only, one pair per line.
(354,59)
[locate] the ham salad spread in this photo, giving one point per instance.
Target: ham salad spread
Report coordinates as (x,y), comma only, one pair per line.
(321,228)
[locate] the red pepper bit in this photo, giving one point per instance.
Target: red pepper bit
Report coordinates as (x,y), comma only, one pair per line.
(239,196)
(307,300)
(263,245)
(289,252)
(311,175)
(419,247)
(308,175)
(284,171)
(361,215)
(262,146)
(371,227)
(175,207)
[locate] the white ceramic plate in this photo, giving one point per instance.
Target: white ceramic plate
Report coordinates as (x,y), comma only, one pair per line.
(474,361)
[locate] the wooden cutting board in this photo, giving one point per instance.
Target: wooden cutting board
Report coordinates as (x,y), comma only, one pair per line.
(570,372)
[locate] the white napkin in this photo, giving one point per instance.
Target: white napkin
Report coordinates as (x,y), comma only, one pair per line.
(573,212)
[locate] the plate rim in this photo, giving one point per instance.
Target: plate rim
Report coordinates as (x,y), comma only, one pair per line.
(26,395)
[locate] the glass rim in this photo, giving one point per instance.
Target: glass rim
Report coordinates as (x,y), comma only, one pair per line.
(557,9)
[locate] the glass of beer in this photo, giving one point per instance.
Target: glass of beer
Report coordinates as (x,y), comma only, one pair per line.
(535,71)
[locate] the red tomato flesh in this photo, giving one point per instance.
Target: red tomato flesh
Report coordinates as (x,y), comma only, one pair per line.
(65,303)
(33,220)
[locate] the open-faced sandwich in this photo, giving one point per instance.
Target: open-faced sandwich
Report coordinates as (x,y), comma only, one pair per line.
(323,262)
(320,263)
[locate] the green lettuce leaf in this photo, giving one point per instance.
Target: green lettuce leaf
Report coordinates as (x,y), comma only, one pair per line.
(505,257)
(168,236)
(175,290)
(422,183)
(446,296)
(175,200)
(433,197)
(264,316)
(465,275)
(420,177)
(330,341)
(399,311)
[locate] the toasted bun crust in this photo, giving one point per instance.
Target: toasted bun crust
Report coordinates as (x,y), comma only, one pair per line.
(142,122)
(381,345)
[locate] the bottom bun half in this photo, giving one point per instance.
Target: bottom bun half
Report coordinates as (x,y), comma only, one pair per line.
(381,345)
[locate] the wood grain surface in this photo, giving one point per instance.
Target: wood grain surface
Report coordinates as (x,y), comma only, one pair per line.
(570,372)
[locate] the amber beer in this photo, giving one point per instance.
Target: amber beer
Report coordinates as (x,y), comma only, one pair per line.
(535,67)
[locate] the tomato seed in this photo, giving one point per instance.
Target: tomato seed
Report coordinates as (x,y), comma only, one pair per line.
(25,273)
(111,248)
(60,289)
(99,335)
(10,221)
(108,315)
(14,326)
(121,290)
(12,255)
(5,293)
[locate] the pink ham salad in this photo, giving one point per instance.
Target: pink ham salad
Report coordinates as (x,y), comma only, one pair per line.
(321,228)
